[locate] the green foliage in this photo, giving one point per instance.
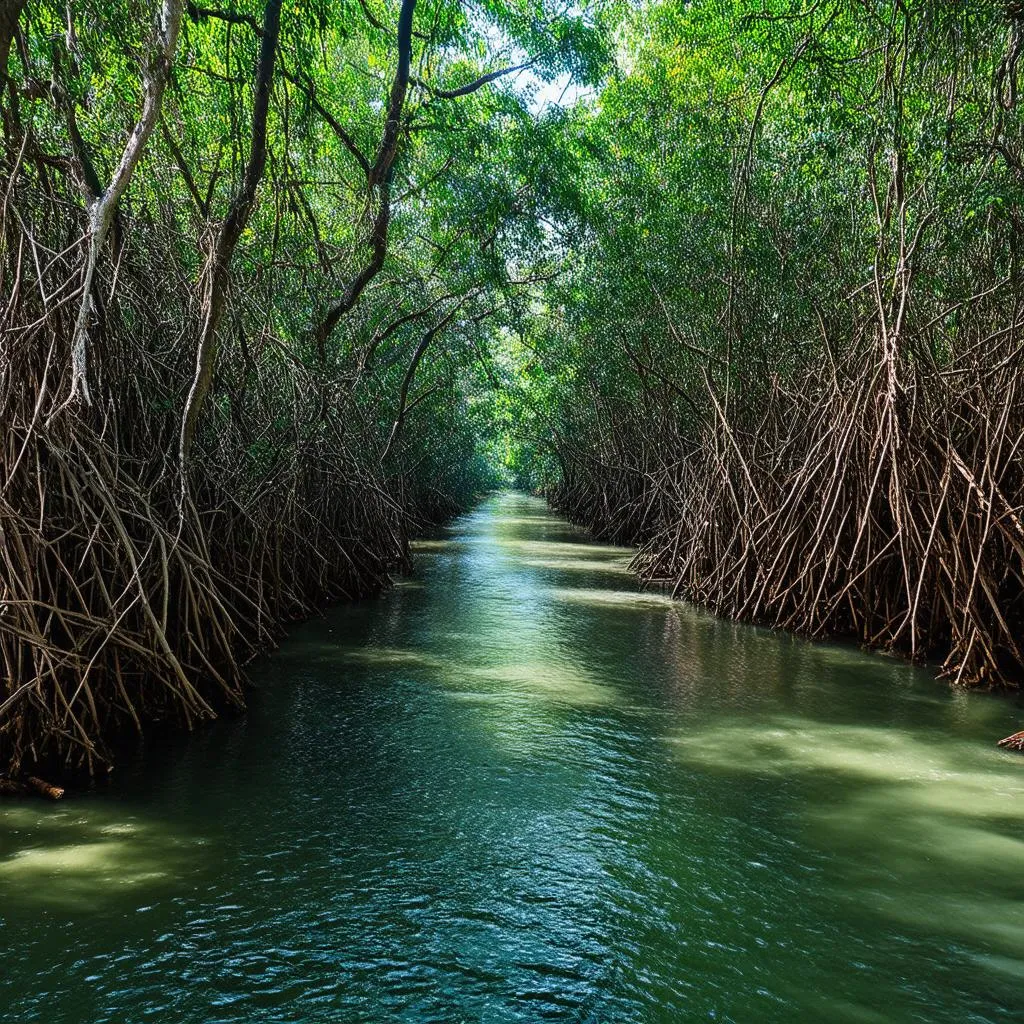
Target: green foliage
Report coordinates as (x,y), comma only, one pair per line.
(715,206)
(465,235)
(784,349)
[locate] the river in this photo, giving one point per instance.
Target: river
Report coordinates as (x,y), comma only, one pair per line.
(516,788)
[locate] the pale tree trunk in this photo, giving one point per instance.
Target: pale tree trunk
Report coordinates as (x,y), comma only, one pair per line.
(103,206)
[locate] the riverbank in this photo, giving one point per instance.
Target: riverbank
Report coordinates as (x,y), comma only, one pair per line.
(23,750)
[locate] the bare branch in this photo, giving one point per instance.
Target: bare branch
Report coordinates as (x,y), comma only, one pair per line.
(309,90)
(198,14)
(465,90)
(370,17)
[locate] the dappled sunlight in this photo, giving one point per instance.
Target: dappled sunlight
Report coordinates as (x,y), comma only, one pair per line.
(424,547)
(566,549)
(100,861)
(388,657)
(640,599)
(1011,968)
(997,924)
(549,680)
(890,755)
(919,818)
(84,858)
(579,565)
(931,838)
(991,794)
(542,519)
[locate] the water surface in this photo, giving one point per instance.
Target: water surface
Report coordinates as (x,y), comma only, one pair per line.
(517,789)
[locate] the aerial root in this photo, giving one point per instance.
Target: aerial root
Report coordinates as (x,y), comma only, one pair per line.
(121,604)
(838,506)
(1014,742)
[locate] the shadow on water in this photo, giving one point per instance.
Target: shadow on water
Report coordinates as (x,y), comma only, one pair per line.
(516,788)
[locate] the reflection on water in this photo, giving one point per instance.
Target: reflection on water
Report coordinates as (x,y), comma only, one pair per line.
(516,788)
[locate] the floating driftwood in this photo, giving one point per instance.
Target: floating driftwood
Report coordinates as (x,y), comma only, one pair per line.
(32,786)
(44,788)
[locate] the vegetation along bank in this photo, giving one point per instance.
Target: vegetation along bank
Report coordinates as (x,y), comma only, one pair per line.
(738,282)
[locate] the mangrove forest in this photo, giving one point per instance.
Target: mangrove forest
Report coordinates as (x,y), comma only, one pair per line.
(511,510)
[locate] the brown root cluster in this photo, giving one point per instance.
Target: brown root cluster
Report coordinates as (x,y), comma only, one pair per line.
(133,589)
(1014,742)
(879,498)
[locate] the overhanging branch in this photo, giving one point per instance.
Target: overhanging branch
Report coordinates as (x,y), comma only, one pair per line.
(479,83)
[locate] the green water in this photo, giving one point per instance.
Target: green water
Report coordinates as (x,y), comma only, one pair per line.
(516,789)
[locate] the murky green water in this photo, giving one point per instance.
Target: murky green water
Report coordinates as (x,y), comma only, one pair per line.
(515,789)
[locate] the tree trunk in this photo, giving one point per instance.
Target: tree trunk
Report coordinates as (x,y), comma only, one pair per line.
(10,12)
(378,181)
(230,230)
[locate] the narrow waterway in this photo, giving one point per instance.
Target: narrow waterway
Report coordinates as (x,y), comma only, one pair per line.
(517,789)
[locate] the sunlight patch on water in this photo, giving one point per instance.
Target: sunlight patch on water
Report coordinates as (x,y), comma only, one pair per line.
(562,549)
(640,599)
(542,519)
(99,861)
(994,923)
(889,755)
(427,546)
(388,657)
(903,809)
(1007,966)
(552,681)
(886,833)
(618,566)
(65,860)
